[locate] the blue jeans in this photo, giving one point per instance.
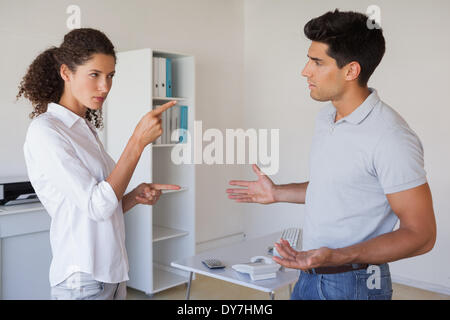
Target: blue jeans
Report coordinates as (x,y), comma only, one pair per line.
(373,283)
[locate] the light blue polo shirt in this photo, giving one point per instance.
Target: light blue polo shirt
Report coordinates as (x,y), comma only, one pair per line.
(354,163)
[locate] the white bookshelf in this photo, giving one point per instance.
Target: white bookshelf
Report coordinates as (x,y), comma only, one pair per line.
(163,233)
(155,235)
(174,191)
(165,279)
(168,99)
(163,145)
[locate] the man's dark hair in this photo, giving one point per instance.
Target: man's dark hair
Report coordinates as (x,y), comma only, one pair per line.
(349,38)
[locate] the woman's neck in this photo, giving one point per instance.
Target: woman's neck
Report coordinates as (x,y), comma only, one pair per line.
(69,102)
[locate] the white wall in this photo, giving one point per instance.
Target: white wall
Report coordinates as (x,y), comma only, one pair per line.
(249,57)
(412,78)
(212,31)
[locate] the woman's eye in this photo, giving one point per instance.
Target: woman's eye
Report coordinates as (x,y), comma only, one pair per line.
(111,76)
(93,75)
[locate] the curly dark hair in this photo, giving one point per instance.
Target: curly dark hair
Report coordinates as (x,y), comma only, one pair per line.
(349,39)
(43,84)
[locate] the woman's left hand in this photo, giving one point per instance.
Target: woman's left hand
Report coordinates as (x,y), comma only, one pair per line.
(149,193)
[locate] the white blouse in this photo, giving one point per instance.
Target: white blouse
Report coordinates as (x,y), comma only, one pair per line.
(67,166)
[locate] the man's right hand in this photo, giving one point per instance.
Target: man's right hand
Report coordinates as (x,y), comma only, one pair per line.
(259,191)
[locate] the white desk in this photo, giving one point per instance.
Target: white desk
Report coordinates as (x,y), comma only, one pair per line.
(25,252)
(238,253)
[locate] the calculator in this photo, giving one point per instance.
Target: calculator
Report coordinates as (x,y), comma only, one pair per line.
(213,263)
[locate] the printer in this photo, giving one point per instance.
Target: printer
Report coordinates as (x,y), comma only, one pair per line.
(16,190)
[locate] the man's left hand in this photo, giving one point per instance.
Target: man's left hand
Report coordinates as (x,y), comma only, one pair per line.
(302,260)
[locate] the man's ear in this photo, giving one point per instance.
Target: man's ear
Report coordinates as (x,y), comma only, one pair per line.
(353,71)
(65,72)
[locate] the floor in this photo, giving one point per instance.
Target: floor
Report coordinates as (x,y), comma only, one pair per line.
(206,288)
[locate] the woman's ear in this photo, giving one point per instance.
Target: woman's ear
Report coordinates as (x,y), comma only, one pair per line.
(65,72)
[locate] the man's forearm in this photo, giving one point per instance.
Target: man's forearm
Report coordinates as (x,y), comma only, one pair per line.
(392,246)
(293,192)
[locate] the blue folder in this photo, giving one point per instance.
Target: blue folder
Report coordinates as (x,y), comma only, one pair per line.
(183,124)
(168,77)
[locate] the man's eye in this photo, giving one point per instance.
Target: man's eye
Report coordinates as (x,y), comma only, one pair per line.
(317,63)
(111,76)
(94,75)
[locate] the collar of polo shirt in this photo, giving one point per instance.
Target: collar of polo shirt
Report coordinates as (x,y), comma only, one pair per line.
(360,113)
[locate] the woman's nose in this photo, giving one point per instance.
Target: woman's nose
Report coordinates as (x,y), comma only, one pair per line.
(103,86)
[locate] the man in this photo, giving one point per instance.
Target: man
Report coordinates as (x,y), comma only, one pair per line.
(366,172)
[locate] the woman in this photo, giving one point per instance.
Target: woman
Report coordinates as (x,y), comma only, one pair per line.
(78,183)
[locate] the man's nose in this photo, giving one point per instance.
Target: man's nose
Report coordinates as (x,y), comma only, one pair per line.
(306,72)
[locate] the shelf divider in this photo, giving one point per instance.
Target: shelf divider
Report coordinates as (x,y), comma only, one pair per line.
(163,233)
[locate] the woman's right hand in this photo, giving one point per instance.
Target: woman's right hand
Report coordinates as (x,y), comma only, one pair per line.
(149,128)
